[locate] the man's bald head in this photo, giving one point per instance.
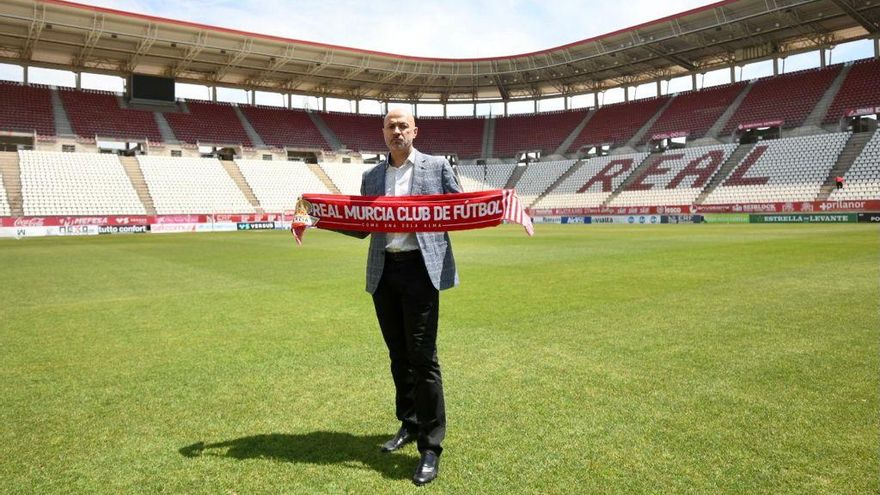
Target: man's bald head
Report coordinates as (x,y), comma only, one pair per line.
(400,131)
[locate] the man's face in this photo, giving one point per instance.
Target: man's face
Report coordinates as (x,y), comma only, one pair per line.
(400,131)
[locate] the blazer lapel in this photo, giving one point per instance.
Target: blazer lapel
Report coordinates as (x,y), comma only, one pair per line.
(417,187)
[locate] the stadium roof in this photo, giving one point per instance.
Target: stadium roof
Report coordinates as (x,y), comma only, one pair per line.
(71,36)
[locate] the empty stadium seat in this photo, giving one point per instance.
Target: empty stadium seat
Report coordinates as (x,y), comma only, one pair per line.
(357,132)
(207,122)
(791,169)
(54,183)
(862,180)
(191,185)
(484,177)
(538,176)
(284,128)
(695,112)
(277,185)
(788,97)
(26,108)
(346,176)
(616,124)
(859,89)
(452,136)
(593,182)
(97,113)
(675,177)
(544,131)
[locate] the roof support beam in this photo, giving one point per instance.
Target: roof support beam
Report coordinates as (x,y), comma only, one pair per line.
(34,31)
(672,58)
(857,16)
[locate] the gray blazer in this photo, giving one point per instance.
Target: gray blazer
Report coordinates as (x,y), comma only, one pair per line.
(431,175)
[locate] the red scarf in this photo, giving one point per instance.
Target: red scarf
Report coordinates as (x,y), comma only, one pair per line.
(428,213)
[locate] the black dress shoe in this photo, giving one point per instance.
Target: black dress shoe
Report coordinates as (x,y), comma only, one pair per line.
(429,466)
(402,438)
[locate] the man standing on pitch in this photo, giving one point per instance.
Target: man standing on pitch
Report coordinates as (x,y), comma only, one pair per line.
(405,272)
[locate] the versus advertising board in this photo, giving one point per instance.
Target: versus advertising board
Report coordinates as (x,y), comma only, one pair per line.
(801,218)
(255,226)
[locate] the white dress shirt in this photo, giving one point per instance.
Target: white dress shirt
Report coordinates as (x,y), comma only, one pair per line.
(398,182)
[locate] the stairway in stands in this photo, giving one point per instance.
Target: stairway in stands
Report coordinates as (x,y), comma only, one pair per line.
(136,176)
(321,174)
(726,168)
(563,147)
(638,137)
(237,177)
(62,122)
(325,131)
(817,115)
(574,168)
(489,138)
(631,178)
(165,129)
(715,130)
(11,173)
(847,156)
(517,173)
(255,137)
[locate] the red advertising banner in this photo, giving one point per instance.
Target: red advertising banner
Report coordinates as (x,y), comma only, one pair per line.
(858,112)
(120,220)
(670,135)
(755,125)
(622,210)
(793,207)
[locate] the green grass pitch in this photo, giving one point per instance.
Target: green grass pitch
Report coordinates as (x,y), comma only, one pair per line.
(587,359)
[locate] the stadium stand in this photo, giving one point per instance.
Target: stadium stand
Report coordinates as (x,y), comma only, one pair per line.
(26,109)
(346,176)
(54,183)
(675,177)
(592,183)
(695,111)
(860,89)
(484,177)
(97,113)
(791,169)
(357,132)
(862,180)
(543,132)
(5,210)
(191,185)
(787,97)
(277,185)
(616,124)
(461,136)
(206,122)
(281,127)
(539,176)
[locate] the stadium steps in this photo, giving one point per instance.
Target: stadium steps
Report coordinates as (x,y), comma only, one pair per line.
(136,176)
(237,177)
(726,168)
(815,118)
(321,174)
(62,122)
(515,176)
(165,129)
(715,130)
(574,168)
(845,160)
(325,131)
(637,172)
(252,133)
(489,137)
(640,134)
(11,173)
(575,133)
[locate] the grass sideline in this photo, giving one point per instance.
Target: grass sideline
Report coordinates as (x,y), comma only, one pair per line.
(588,359)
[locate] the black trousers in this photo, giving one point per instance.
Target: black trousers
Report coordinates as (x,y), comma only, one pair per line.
(407,306)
